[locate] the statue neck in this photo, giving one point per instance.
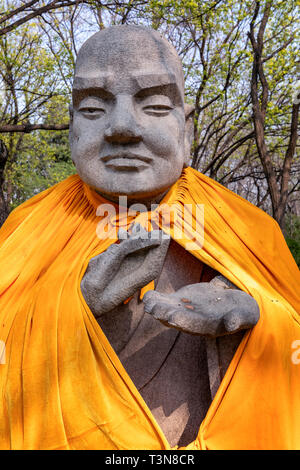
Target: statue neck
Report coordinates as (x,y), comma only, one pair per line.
(147,202)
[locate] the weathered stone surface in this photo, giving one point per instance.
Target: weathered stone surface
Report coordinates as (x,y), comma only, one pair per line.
(130,130)
(116,274)
(210,310)
(130,134)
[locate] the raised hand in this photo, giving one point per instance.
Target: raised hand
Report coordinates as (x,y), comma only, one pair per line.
(123,268)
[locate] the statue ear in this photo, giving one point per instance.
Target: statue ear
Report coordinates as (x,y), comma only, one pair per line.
(189,111)
(71,127)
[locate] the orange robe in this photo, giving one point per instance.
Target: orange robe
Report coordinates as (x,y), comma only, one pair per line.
(62,385)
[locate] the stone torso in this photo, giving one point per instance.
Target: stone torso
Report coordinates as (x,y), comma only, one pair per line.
(131,134)
(169,367)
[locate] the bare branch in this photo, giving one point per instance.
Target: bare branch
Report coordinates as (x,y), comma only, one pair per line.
(26,128)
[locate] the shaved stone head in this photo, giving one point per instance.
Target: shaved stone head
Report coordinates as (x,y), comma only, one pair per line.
(129,129)
(105,49)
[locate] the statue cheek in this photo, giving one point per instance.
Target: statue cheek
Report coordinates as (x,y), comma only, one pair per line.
(87,138)
(163,140)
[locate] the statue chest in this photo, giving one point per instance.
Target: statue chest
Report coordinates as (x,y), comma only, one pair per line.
(169,368)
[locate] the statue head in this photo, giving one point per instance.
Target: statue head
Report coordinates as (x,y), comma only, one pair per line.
(130,130)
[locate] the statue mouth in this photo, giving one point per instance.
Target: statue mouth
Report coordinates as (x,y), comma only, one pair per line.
(126,161)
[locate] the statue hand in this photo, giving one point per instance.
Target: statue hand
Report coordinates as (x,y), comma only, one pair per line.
(211,309)
(123,268)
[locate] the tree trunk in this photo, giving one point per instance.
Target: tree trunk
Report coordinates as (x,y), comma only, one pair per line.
(3,205)
(279,191)
(286,172)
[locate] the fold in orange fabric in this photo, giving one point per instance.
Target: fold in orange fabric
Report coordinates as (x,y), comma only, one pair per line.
(63,386)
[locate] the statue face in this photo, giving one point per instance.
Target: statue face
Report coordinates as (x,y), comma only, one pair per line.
(128,130)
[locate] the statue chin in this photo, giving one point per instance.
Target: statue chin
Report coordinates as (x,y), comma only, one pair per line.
(140,188)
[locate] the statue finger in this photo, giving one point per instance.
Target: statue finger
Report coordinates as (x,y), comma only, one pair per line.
(239,320)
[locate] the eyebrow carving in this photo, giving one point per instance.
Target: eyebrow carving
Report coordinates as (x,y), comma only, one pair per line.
(170,90)
(83,93)
(145,85)
(141,80)
(86,86)
(104,81)
(150,80)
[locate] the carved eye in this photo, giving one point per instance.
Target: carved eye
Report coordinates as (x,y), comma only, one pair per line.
(157,105)
(91,107)
(91,112)
(157,110)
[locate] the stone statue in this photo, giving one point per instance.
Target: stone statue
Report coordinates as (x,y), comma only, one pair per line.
(131,134)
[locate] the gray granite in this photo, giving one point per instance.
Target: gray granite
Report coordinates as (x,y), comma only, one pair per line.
(130,135)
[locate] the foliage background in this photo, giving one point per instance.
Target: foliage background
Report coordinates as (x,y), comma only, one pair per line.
(242,70)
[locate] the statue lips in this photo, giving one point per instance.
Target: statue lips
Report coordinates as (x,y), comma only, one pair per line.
(126,161)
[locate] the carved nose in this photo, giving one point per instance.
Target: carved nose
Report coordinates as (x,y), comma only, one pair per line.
(123,128)
(122,135)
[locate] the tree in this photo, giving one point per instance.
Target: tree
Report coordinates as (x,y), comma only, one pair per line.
(240,62)
(43,158)
(28,84)
(11,17)
(278,181)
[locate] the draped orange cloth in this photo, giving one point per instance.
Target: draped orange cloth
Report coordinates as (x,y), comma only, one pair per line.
(63,386)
